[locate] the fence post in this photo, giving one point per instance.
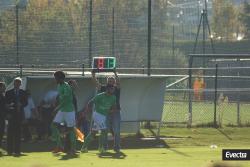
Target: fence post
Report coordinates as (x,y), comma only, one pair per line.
(21,70)
(238,99)
(113,32)
(82,69)
(17,35)
(215,95)
(238,110)
(90,31)
(149,37)
(149,47)
(173,41)
(190,97)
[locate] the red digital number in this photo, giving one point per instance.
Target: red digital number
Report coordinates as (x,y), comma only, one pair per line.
(100,63)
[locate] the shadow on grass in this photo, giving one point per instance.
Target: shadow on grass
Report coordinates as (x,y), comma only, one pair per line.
(133,142)
(68,157)
(29,147)
(223,133)
(119,155)
(3,153)
(127,142)
(178,152)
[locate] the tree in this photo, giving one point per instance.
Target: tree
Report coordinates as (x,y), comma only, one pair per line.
(225,19)
(55,32)
(245,17)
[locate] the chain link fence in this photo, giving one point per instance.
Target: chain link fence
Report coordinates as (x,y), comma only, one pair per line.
(215,93)
(230,112)
(64,34)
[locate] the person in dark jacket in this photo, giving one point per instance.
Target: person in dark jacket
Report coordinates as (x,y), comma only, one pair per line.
(16,100)
(2,111)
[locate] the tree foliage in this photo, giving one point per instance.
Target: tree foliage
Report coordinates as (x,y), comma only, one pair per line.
(245,17)
(225,21)
(57,31)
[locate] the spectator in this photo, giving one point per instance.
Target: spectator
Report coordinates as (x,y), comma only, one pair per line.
(16,101)
(30,118)
(46,107)
(2,111)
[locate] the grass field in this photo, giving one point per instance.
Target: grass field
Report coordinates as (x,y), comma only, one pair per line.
(203,112)
(181,147)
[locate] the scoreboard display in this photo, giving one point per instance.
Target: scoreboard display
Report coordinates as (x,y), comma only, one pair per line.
(103,64)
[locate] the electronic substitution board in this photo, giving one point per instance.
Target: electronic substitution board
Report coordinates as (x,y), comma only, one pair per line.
(103,64)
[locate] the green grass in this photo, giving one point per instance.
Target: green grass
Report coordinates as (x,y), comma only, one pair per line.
(182,148)
(141,158)
(203,113)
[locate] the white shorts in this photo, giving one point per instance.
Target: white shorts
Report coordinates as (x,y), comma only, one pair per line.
(99,121)
(65,117)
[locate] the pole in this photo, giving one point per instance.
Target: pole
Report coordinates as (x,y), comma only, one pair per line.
(205,5)
(149,36)
(204,13)
(17,36)
(21,70)
(190,97)
(113,32)
(209,32)
(204,22)
(149,47)
(238,109)
(215,96)
(238,98)
(90,31)
(82,69)
(204,33)
(197,35)
(198,6)
(173,41)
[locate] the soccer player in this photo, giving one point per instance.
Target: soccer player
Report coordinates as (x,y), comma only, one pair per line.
(104,103)
(114,118)
(65,114)
(73,84)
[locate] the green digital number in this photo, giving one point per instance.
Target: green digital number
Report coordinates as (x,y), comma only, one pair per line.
(111,63)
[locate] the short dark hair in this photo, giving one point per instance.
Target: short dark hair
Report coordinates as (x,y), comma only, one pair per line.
(59,74)
(2,84)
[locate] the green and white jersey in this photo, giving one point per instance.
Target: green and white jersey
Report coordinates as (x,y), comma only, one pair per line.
(65,97)
(104,102)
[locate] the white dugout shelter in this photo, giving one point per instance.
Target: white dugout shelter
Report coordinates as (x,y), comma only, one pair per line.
(142,97)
